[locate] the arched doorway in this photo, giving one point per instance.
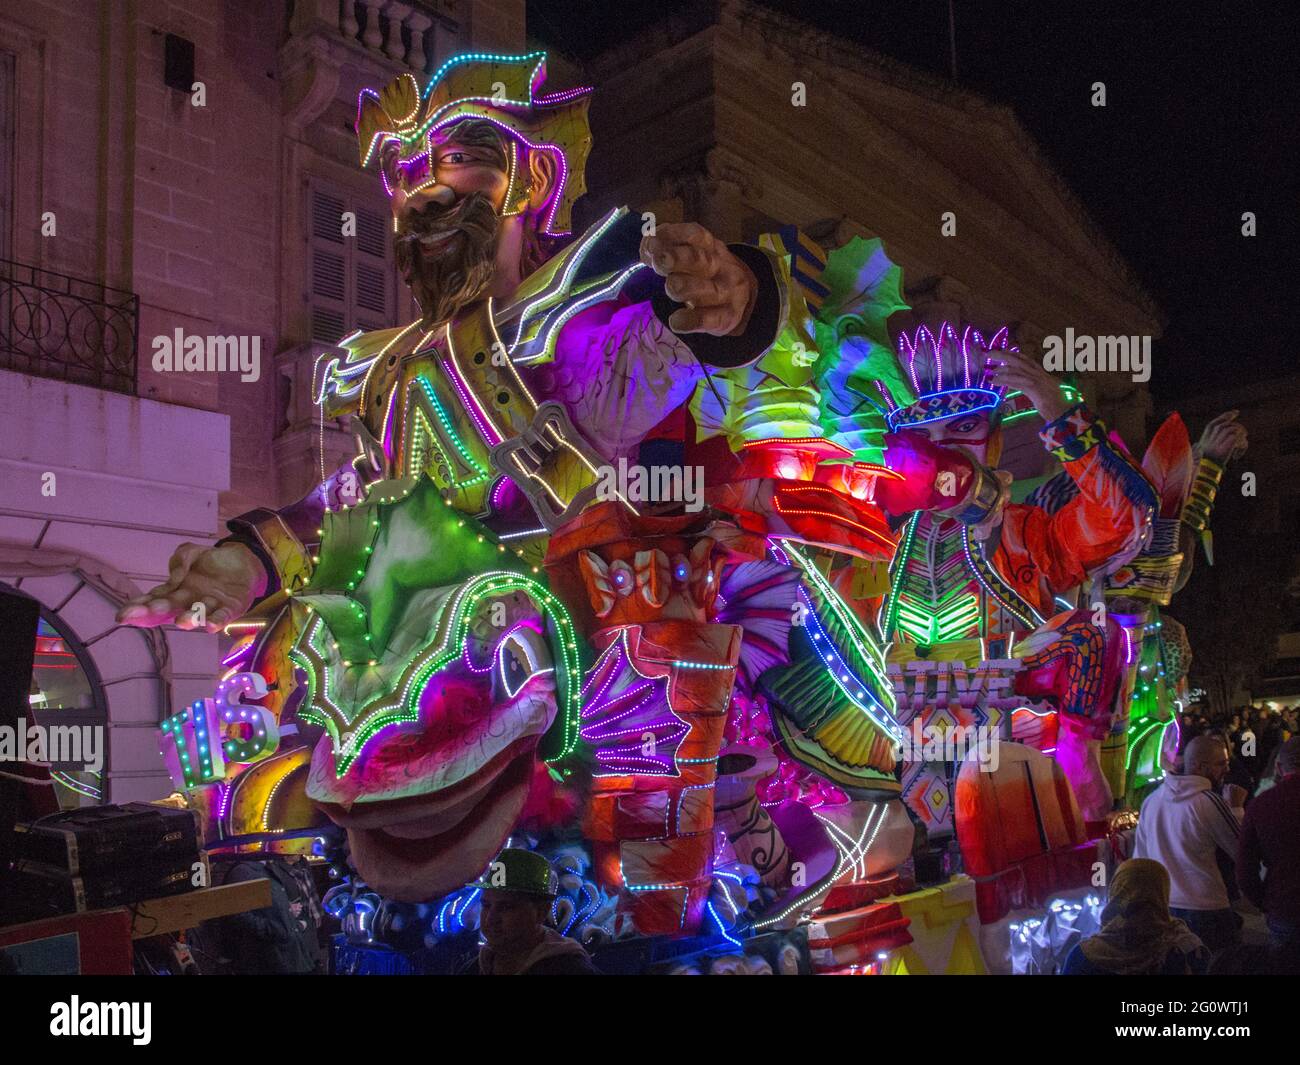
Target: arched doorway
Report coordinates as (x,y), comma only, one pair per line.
(90,671)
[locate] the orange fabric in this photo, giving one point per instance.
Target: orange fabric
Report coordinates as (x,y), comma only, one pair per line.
(1042,555)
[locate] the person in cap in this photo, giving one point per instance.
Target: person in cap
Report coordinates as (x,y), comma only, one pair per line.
(518,891)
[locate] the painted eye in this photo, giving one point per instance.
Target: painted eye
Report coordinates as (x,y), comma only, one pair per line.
(521,655)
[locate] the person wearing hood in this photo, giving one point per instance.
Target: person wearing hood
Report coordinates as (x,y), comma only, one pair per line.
(518,891)
(1181,825)
(1139,936)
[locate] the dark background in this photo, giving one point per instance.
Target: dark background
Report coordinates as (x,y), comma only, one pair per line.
(1199,126)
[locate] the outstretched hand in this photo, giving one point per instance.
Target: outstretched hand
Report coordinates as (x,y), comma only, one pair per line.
(718,289)
(225,580)
(1224,438)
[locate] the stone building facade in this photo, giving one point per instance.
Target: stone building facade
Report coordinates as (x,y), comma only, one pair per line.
(130,209)
(744,119)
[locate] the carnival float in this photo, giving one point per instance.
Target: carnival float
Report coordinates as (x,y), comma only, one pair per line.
(852,703)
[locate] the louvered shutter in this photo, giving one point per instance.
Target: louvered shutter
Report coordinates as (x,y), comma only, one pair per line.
(351,277)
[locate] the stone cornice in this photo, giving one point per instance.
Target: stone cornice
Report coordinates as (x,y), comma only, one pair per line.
(858,73)
(770,29)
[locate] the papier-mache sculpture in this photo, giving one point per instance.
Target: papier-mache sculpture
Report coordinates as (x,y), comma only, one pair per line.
(653,553)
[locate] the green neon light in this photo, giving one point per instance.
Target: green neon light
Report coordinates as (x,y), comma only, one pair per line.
(896,569)
(350,736)
(936,625)
(867,647)
(482,474)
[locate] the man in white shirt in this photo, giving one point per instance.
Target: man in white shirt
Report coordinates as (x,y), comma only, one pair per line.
(1182,824)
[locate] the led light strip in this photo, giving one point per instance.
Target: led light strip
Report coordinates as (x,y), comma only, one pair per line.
(350,737)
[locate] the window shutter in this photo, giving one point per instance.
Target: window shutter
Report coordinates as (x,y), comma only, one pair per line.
(352,279)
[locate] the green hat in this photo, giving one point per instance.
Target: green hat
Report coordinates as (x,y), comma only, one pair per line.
(521,871)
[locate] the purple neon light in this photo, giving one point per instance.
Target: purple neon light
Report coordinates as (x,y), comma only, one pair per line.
(557,193)
(238,654)
(471,404)
(923,339)
(497,489)
(388,426)
(561,97)
(637,709)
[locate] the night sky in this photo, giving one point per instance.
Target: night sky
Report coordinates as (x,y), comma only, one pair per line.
(1200,125)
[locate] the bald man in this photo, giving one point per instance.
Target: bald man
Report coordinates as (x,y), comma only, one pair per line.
(1183,822)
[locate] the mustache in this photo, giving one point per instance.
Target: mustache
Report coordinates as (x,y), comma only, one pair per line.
(448,254)
(473,216)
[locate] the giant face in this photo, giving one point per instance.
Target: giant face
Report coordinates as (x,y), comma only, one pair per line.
(428,803)
(447,205)
(432,659)
(973,432)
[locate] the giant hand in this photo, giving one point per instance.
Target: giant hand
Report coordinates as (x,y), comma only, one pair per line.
(1018,371)
(718,289)
(1224,439)
(225,579)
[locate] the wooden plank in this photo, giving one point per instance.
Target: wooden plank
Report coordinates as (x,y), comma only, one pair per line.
(176,912)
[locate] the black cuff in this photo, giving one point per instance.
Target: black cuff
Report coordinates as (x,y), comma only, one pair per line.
(245,537)
(764,320)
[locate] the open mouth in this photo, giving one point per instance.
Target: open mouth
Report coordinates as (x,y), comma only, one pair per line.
(418,848)
(440,240)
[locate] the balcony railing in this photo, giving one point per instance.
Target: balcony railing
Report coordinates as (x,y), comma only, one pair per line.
(53,325)
(418,34)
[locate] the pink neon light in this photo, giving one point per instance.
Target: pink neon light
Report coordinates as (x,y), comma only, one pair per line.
(238,654)
(471,404)
(557,193)
(923,341)
(560,97)
(497,489)
(884,392)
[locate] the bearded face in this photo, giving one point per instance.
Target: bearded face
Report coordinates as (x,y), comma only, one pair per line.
(447,255)
(447,207)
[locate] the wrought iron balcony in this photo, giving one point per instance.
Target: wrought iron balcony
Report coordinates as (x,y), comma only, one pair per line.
(53,325)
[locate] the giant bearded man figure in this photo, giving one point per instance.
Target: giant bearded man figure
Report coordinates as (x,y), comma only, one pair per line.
(411,589)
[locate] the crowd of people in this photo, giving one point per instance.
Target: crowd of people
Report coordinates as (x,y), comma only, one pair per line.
(1254,734)
(1218,836)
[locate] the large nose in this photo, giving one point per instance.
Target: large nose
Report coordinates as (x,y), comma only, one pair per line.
(404,202)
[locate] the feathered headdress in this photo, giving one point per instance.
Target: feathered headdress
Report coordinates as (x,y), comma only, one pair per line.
(948,367)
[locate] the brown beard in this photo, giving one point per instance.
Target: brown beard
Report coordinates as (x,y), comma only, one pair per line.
(448,255)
